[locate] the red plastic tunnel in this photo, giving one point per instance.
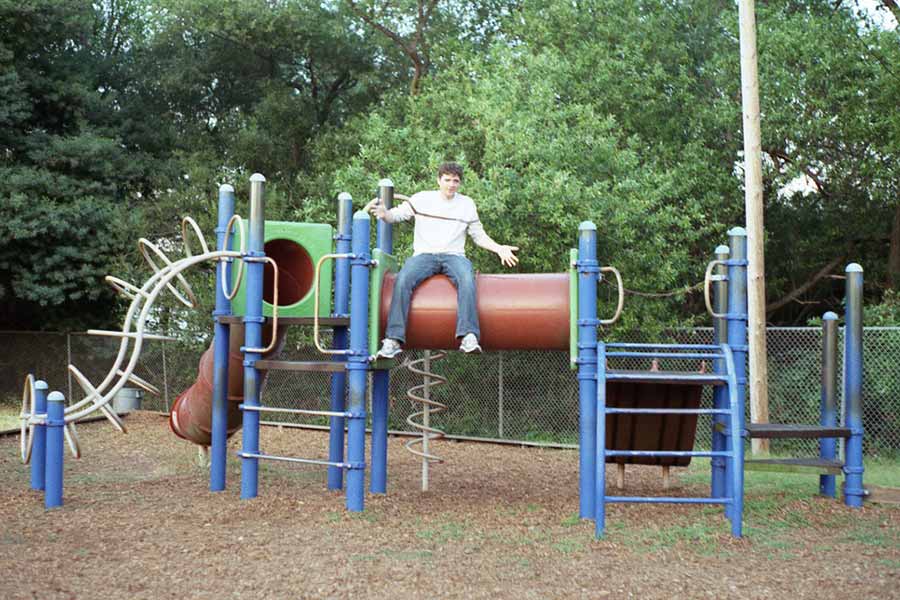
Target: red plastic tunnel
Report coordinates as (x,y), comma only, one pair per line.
(516,312)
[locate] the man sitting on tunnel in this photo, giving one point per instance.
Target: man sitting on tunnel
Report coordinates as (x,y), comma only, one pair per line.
(442,219)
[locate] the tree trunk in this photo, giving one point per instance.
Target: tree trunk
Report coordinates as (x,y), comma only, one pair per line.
(894,255)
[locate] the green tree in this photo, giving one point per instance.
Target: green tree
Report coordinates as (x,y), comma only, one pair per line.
(69,167)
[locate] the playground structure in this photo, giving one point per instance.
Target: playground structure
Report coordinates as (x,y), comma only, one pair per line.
(645,416)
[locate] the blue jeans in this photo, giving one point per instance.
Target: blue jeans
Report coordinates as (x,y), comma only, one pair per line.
(419,268)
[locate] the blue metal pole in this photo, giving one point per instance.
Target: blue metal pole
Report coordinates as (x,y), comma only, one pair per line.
(828,403)
(600,461)
(339,339)
(381,377)
(737,341)
(39,447)
(222,334)
(253,324)
(358,362)
(53,493)
(720,398)
(853,380)
(587,369)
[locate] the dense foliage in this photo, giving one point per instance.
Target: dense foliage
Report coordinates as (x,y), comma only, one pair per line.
(122,115)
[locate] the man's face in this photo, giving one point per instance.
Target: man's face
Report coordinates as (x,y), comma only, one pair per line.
(448,183)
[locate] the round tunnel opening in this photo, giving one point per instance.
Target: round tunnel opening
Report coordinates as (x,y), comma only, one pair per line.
(295,272)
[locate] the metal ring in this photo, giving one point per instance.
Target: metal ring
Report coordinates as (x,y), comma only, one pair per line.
(143,244)
(621,303)
(184,236)
(123,288)
(90,390)
(707,279)
(235,218)
(72,439)
(26,442)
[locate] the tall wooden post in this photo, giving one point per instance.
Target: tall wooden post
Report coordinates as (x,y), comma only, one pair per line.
(753,201)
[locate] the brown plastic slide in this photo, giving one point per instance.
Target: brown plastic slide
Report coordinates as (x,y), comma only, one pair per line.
(191,414)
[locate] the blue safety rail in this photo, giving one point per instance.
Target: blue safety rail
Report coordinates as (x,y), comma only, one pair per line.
(728,413)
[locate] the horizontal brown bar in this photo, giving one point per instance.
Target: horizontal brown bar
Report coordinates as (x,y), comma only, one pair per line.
(301,365)
(792,431)
(794,465)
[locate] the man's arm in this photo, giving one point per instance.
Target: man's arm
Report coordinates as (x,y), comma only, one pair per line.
(403,212)
(481,238)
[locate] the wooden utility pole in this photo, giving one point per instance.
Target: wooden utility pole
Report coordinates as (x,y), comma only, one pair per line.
(753,202)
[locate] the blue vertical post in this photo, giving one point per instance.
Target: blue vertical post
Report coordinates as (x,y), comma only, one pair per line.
(39,447)
(600,492)
(339,339)
(221,338)
(587,368)
(253,325)
(53,493)
(358,362)
(381,377)
(828,402)
(737,340)
(720,397)
(853,380)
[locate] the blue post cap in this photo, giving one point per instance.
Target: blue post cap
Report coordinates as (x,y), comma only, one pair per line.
(587,226)
(257,177)
(854,268)
(360,214)
(829,316)
(226,188)
(723,249)
(385,183)
(345,196)
(737,231)
(56,397)
(40,384)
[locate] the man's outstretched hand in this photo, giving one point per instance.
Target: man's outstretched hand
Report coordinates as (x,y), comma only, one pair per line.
(506,255)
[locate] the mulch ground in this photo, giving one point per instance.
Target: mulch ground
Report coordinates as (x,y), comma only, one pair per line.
(499,522)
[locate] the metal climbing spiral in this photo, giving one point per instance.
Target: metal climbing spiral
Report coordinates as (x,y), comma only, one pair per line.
(421,394)
(166,276)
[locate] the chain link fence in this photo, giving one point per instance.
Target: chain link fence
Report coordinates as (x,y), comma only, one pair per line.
(526,396)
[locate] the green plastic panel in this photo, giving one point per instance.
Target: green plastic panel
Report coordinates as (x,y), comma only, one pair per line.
(386,263)
(314,241)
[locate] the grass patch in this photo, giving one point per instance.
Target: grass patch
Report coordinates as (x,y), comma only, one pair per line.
(9,417)
(444,533)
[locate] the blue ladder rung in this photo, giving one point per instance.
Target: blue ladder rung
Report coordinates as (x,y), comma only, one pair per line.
(668,453)
(667,500)
(686,355)
(667,411)
(666,346)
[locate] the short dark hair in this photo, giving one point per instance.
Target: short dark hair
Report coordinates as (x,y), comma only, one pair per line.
(450,168)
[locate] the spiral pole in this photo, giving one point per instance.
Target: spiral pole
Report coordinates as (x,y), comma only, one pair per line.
(421,420)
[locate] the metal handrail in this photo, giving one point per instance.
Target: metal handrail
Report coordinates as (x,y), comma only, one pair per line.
(707,279)
(316,276)
(621,302)
(274,340)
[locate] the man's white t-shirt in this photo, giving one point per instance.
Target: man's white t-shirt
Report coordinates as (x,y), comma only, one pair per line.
(441,224)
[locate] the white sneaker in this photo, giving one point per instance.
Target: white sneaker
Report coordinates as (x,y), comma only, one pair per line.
(470,344)
(389,348)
